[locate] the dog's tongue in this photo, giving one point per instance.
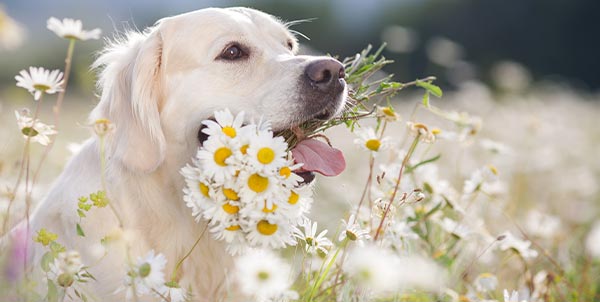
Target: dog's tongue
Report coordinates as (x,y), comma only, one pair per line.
(318,156)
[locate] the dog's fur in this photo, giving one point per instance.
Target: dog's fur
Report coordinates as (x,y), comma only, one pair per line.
(157,87)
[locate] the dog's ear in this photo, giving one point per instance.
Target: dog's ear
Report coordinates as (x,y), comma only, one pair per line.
(131,84)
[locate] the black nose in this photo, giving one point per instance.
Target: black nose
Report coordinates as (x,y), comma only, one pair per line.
(325,73)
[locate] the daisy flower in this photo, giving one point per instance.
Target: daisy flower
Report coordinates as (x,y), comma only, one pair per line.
(269,232)
(262,275)
(426,135)
(35,130)
(373,268)
(39,80)
(512,296)
(267,153)
(216,160)
(72,29)
(368,140)
(67,268)
(486,282)
(175,292)
(387,113)
(199,192)
(147,275)
(314,243)
(353,231)
(255,185)
(287,177)
(225,126)
(522,247)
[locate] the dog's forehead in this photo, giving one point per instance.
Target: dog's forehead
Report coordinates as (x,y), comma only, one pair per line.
(220,20)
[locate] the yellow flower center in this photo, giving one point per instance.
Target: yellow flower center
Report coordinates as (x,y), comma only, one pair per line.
(265,155)
(257,183)
(233,228)
(203,189)
(221,155)
(41,87)
(230,209)
(436,131)
(388,111)
(265,228)
(229,131)
(231,194)
(493,169)
(285,172)
(244,149)
(293,198)
(373,144)
(267,210)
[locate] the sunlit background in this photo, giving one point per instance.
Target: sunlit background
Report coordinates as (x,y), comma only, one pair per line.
(528,69)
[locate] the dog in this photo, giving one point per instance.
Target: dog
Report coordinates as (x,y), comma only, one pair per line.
(157,87)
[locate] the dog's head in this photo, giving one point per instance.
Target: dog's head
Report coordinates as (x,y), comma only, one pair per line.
(159,85)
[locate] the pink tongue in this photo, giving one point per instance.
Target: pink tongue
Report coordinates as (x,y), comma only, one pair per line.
(318,156)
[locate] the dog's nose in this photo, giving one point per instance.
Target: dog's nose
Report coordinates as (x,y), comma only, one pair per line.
(325,73)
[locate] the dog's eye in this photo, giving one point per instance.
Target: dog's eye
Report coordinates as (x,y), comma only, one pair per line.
(233,52)
(290,45)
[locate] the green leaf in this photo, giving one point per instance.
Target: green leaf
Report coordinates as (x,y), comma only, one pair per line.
(52,292)
(81,213)
(56,248)
(47,258)
(427,161)
(80,231)
(426,99)
(435,90)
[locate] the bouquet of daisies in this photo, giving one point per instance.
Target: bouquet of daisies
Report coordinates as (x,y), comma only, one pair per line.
(242,182)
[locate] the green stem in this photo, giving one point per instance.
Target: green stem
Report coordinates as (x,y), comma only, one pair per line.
(411,150)
(176,269)
(326,272)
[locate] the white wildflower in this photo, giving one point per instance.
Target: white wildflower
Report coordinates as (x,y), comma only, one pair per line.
(352,230)
(522,247)
(314,243)
(369,141)
(35,130)
(592,242)
(146,276)
(486,282)
(39,80)
(262,274)
(72,29)
(426,135)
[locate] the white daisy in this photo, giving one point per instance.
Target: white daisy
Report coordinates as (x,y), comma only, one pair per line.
(72,29)
(35,130)
(216,160)
(225,126)
(512,296)
(353,231)
(229,230)
(147,275)
(522,247)
(426,135)
(486,282)
(374,269)
(592,241)
(39,80)
(387,113)
(314,243)
(287,177)
(266,154)
(255,185)
(262,274)
(297,204)
(269,232)
(175,292)
(368,140)
(66,268)
(199,193)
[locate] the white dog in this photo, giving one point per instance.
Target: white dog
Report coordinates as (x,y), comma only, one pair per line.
(157,87)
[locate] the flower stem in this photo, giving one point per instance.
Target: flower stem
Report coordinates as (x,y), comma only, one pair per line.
(57,107)
(411,150)
(176,269)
